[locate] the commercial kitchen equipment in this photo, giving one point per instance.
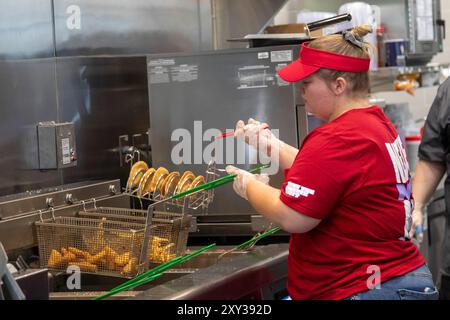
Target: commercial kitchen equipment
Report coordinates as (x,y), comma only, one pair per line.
(418,22)
(265,264)
(9,282)
(61,85)
(203,94)
(272,38)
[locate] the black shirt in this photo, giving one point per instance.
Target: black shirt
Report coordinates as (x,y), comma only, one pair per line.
(435,147)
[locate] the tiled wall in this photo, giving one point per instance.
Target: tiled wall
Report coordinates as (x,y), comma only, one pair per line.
(418,104)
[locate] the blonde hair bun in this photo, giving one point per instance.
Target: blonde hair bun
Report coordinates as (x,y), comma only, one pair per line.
(362,30)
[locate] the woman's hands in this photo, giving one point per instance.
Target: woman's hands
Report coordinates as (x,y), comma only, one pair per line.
(258,135)
(270,148)
(417,225)
(242,179)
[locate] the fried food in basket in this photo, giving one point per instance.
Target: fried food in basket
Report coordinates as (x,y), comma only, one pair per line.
(94,240)
(122,259)
(80,254)
(130,267)
(84,266)
(158,179)
(136,173)
(144,185)
(160,250)
(55,260)
(111,256)
(170,183)
(99,258)
(67,256)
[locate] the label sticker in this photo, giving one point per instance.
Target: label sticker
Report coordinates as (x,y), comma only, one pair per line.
(281,82)
(281,56)
(161,62)
(65,146)
(251,77)
(159,74)
(263,55)
(184,73)
(158,70)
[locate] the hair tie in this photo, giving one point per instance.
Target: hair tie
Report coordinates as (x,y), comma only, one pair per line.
(357,41)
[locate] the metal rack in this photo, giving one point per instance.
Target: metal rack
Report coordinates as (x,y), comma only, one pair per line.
(430,75)
(120,241)
(112,241)
(198,201)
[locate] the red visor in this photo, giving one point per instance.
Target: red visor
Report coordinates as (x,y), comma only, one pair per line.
(311,60)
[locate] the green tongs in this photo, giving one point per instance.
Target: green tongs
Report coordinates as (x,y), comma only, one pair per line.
(212,184)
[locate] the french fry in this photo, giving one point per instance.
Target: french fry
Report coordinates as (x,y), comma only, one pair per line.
(55,260)
(69,257)
(79,253)
(130,267)
(122,260)
(111,256)
(98,258)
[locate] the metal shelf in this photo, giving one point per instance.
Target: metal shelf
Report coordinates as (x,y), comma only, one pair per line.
(383,78)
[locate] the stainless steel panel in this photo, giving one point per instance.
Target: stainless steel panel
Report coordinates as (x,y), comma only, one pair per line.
(109,27)
(17,231)
(235,19)
(105,98)
(137,26)
(26,29)
(57,146)
(218,94)
(264,267)
(14,206)
(27,97)
(45,28)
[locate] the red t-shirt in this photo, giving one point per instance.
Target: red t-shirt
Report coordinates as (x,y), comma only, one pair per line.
(351,173)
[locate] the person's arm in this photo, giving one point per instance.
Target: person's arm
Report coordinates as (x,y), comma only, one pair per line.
(266,200)
(287,155)
(427,176)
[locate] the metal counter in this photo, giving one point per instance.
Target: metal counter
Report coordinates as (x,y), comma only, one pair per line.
(260,274)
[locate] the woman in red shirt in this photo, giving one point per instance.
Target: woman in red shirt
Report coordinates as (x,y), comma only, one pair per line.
(346,197)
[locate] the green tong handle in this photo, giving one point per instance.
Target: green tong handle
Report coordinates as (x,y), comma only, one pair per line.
(215,183)
(258,237)
(153,273)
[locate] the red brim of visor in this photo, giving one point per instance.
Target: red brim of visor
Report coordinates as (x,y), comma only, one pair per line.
(311,60)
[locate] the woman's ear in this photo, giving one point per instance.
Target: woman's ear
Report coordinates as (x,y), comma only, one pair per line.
(340,86)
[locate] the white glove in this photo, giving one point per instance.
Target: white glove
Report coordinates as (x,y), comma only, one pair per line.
(417,225)
(257,135)
(243,177)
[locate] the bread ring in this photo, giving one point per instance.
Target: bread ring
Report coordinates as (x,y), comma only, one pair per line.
(170,183)
(158,179)
(198,181)
(183,185)
(144,185)
(137,171)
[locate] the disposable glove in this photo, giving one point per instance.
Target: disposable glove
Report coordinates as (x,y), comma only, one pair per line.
(243,178)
